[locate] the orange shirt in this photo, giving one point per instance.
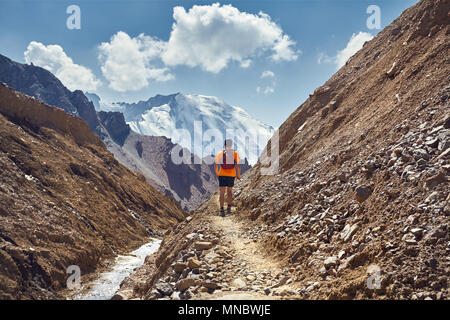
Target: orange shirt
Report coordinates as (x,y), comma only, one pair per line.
(227,172)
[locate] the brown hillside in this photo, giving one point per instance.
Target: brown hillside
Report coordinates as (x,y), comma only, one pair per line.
(64,199)
(362,192)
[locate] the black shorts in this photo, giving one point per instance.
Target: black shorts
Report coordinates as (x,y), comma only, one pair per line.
(225,181)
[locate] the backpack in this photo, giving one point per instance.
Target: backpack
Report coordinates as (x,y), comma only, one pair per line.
(226,154)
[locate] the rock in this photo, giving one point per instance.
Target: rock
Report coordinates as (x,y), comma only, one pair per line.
(435,180)
(191,236)
(210,285)
(331,261)
(444,154)
(164,288)
(409,238)
(444,145)
(179,267)
(432,143)
(281,282)
(123,295)
(189,218)
(186,283)
(417,232)
(362,193)
(348,232)
(447,123)
(238,283)
(154,294)
(194,263)
(203,245)
(175,296)
(412,219)
(332,105)
(391,72)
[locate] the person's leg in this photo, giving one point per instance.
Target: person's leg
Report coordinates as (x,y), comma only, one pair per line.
(229,196)
(222,196)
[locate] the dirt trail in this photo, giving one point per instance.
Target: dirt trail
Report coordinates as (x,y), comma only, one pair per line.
(258,274)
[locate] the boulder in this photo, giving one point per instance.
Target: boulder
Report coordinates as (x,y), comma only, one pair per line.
(164,288)
(186,283)
(331,261)
(193,263)
(238,283)
(348,232)
(362,193)
(203,245)
(179,267)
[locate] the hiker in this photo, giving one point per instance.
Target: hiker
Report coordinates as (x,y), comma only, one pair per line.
(228,159)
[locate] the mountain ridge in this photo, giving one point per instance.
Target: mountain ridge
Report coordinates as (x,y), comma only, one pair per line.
(173,116)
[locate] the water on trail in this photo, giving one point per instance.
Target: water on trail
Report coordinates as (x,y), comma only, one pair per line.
(108,282)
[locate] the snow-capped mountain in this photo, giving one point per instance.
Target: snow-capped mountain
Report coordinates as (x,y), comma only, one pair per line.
(178,116)
(101,105)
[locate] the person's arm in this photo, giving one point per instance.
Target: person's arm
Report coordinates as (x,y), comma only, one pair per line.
(216,168)
(238,167)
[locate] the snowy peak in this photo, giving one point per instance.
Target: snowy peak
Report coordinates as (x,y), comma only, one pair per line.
(186,118)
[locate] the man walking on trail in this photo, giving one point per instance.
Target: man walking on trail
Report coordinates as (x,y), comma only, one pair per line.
(228,160)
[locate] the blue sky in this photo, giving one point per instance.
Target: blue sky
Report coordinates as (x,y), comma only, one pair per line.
(320,30)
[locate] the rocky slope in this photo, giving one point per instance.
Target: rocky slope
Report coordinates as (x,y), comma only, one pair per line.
(359,208)
(65,200)
(190,185)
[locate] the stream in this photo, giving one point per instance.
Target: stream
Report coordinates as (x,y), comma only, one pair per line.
(107,283)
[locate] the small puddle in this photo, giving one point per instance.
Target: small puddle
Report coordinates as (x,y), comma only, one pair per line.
(108,282)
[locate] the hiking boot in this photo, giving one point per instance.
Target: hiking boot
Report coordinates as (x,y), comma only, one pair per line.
(222,212)
(229,209)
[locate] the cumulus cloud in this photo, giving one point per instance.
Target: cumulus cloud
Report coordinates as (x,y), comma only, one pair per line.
(355,43)
(54,59)
(211,36)
(127,63)
(267,74)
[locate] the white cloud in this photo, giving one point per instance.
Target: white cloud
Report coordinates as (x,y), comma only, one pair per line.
(54,59)
(267,74)
(324,58)
(269,89)
(211,36)
(246,63)
(354,45)
(126,61)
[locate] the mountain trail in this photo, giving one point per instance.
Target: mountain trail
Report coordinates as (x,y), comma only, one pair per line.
(249,273)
